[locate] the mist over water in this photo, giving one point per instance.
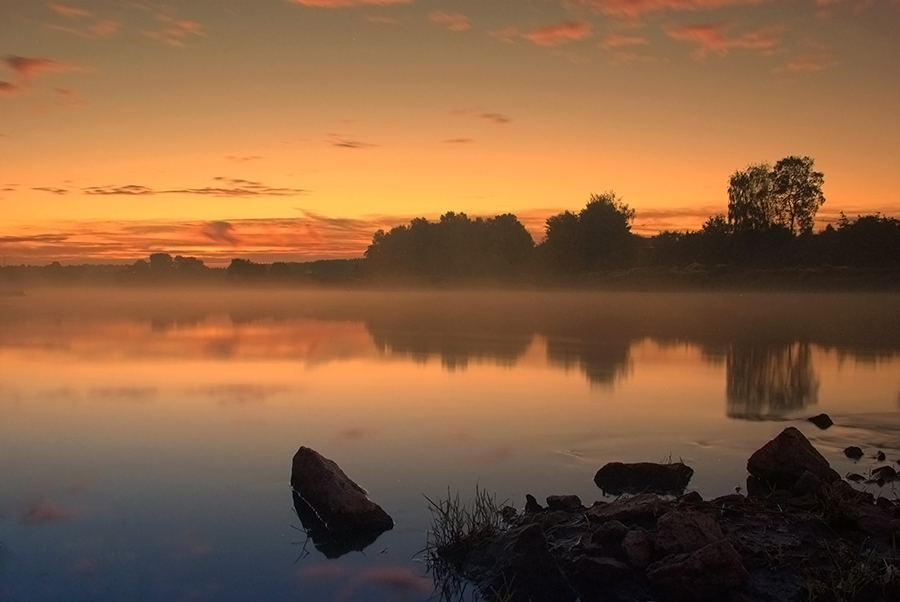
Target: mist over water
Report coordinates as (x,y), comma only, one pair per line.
(146,435)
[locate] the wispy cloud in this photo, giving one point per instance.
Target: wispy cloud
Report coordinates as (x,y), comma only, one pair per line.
(637,8)
(174,31)
(68,11)
(452,21)
(231,187)
(560,33)
(615,41)
(51,190)
(221,232)
(489,116)
(243,158)
(30,67)
(809,63)
(714,38)
(351,143)
(346,3)
(458,141)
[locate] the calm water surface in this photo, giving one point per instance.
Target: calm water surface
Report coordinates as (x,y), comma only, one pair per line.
(146,437)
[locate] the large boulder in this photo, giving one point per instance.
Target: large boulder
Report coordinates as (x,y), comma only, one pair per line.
(617,478)
(342,506)
(707,574)
(679,531)
(783,460)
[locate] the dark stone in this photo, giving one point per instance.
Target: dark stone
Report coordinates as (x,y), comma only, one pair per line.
(880,456)
(886,473)
(640,507)
(808,483)
(691,498)
(784,459)
(609,535)
(856,478)
(823,421)
(341,505)
(707,574)
(637,545)
(680,531)
(531,504)
(331,544)
(731,500)
(644,477)
(807,501)
(853,452)
(566,503)
(596,573)
(508,514)
(519,562)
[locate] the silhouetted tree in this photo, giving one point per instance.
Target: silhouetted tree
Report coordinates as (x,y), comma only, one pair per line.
(598,237)
(787,196)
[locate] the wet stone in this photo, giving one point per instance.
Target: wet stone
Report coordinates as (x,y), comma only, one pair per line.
(823,421)
(566,503)
(853,452)
(617,478)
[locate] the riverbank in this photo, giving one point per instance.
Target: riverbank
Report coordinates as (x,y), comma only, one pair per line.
(801,532)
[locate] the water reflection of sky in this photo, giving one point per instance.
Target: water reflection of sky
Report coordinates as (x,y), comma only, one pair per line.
(146,453)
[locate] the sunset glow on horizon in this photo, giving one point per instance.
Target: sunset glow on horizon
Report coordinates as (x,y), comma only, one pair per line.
(292,130)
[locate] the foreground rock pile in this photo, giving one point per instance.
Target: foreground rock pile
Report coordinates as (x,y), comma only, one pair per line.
(801,533)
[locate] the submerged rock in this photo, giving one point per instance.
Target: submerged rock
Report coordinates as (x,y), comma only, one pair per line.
(617,478)
(823,421)
(782,461)
(341,505)
(853,452)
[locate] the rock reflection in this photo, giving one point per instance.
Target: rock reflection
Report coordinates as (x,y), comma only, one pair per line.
(766,382)
(331,544)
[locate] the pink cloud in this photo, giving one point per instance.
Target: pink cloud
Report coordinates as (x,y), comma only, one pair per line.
(452,21)
(616,40)
(29,67)
(174,32)
(68,11)
(560,33)
(8,89)
(637,8)
(713,38)
(346,3)
(809,63)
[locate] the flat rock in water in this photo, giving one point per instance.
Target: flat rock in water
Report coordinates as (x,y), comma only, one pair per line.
(784,459)
(617,478)
(340,504)
(823,421)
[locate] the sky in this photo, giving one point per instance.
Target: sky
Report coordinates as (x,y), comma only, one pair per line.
(291,130)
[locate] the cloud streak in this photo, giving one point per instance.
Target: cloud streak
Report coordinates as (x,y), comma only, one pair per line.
(560,33)
(634,9)
(452,21)
(714,39)
(231,188)
(347,3)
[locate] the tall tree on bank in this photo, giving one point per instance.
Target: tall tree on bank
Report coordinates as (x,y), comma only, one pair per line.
(763,198)
(598,237)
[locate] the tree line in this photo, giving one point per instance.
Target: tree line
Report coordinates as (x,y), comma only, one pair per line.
(769,223)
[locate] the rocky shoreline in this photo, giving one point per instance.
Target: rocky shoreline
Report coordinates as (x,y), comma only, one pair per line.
(801,533)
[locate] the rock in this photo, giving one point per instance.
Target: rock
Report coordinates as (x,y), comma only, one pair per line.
(644,477)
(518,562)
(598,573)
(691,498)
(853,452)
(640,507)
(707,574)
(880,456)
(784,459)
(856,478)
(823,421)
(566,503)
(637,545)
(609,535)
(680,531)
(732,500)
(340,504)
(531,504)
(331,544)
(808,483)
(886,473)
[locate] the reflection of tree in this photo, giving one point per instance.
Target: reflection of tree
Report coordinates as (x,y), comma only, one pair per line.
(455,348)
(766,381)
(602,360)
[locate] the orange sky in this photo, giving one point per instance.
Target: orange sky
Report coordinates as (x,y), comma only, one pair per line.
(293,129)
